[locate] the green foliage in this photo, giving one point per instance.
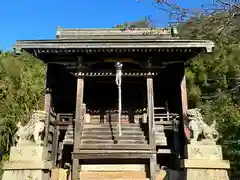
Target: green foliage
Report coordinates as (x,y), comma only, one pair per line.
(227,114)
(212,79)
(4,159)
(21,90)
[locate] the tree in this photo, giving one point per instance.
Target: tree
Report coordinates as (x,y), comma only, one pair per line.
(212,79)
(177,13)
(21,91)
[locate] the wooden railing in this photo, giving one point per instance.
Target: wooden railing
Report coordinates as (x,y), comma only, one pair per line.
(163,117)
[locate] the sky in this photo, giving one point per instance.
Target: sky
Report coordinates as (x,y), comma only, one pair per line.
(39,19)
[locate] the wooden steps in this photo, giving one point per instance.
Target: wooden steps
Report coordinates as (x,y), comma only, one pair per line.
(95,136)
(113,124)
(110,141)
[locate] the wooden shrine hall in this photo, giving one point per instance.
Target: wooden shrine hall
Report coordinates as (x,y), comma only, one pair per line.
(116,99)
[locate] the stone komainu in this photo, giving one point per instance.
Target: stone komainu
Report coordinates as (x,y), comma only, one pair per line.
(33,129)
(198,126)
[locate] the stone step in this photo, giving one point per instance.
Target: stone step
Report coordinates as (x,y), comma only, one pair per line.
(113,175)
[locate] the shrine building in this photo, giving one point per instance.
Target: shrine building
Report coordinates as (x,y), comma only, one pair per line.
(116,99)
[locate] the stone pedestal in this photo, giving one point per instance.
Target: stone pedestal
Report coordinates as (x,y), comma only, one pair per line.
(205,162)
(29,162)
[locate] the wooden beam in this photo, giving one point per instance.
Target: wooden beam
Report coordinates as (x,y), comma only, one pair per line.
(153,167)
(110,74)
(75,166)
(79,112)
(47,100)
(184,103)
(47,104)
(114,147)
(184,96)
(184,125)
(112,151)
(151,123)
(78,125)
(55,144)
(113,156)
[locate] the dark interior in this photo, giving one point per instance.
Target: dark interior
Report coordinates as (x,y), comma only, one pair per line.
(101,92)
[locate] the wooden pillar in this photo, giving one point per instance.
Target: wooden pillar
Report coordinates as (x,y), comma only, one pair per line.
(47,104)
(153,167)
(184,97)
(151,123)
(78,113)
(186,132)
(55,144)
(78,125)
(184,105)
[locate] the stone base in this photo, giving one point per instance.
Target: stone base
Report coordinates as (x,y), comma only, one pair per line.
(205,162)
(29,153)
(26,170)
(206,174)
(207,152)
(26,175)
(27,163)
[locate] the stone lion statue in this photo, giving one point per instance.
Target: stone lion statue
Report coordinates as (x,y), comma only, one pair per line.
(32,130)
(198,126)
